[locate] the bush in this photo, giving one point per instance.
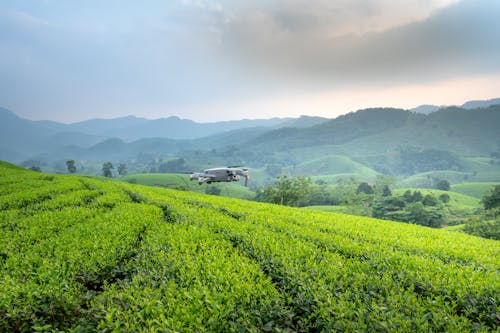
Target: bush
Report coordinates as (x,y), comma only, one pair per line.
(485,229)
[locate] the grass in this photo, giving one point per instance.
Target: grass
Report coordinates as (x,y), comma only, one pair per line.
(474,189)
(332,167)
(425,179)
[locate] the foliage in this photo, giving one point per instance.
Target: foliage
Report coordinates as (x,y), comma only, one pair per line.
(492,199)
(107,169)
(71,166)
(82,255)
(365,188)
(35,168)
(173,165)
(122,169)
(487,228)
(445,198)
(443,185)
(286,191)
(487,224)
(414,160)
(411,207)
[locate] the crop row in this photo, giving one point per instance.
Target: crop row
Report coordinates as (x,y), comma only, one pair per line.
(326,274)
(80,254)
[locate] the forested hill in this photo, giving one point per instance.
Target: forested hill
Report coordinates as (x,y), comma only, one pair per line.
(387,140)
(453,129)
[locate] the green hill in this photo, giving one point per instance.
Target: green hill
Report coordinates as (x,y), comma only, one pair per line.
(332,167)
(476,190)
(86,254)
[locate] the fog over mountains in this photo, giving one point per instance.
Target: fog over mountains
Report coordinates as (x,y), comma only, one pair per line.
(368,136)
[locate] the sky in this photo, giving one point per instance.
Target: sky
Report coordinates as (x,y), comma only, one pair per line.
(214,60)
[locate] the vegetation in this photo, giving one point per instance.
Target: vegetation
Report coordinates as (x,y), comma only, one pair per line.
(411,207)
(81,254)
(487,224)
(122,169)
(107,168)
(473,189)
(71,166)
(443,185)
(286,191)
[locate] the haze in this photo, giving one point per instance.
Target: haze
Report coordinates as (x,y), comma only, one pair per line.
(220,60)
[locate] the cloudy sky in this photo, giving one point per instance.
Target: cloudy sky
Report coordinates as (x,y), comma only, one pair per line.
(212,60)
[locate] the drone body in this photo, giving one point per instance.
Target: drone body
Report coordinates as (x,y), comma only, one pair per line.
(229,174)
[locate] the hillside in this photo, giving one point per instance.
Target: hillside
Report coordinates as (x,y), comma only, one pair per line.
(85,254)
(379,130)
(458,144)
(459,208)
(22,138)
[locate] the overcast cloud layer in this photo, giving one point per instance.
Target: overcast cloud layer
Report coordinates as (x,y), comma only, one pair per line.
(215,60)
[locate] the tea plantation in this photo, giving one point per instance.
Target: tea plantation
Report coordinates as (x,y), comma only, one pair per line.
(85,254)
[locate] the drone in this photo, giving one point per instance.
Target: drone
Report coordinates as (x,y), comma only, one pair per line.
(227,174)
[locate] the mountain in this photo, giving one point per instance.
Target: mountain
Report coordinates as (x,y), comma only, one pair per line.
(376,140)
(132,128)
(303,121)
(481,104)
(453,128)
(20,137)
(102,127)
(427,109)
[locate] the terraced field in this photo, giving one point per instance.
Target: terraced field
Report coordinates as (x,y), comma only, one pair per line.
(82,254)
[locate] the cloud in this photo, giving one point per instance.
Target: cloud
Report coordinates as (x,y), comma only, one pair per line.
(350,41)
(104,57)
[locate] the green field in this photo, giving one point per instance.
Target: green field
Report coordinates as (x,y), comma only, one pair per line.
(476,190)
(332,167)
(84,254)
(482,169)
(425,179)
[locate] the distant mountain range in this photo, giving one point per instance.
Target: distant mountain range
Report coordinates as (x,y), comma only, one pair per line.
(21,138)
(426,108)
(386,140)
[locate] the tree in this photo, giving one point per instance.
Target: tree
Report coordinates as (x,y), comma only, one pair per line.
(386,191)
(364,187)
(107,168)
(173,165)
(417,213)
(443,185)
(35,168)
(492,199)
(70,165)
(484,228)
(487,224)
(287,191)
(445,198)
(122,169)
(429,200)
